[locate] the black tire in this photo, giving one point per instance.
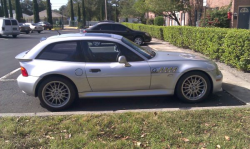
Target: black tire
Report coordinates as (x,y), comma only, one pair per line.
(49,28)
(70,86)
(27,32)
(31,31)
(39,32)
(180,93)
(137,39)
(14,36)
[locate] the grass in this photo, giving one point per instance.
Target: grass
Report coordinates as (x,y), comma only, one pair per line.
(228,128)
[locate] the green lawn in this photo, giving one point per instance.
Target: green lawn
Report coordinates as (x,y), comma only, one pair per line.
(180,129)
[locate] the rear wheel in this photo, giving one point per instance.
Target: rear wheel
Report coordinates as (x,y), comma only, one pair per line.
(27,32)
(138,40)
(193,87)
(39,32)
(56,93)
(49,28)
(14,36)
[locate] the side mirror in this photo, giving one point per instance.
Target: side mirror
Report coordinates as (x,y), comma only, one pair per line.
(123,60)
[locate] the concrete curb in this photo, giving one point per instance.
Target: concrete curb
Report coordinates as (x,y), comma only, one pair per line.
(119,111)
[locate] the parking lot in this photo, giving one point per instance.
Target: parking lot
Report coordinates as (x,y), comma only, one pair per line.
(12,100)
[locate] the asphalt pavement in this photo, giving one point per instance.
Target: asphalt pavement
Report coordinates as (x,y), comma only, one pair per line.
(12,100)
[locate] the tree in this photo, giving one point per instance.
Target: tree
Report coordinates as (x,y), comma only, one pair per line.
(1,9)
(10,9)
(36,11)
(49,13)
(18,9)
(5,9)
(128,9)
(83,14)
(78,13)
(71,11)
(168,7)
(101,10)
(27,6)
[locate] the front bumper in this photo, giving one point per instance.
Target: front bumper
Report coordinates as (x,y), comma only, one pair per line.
(217,80)
(28,84)
(147,38)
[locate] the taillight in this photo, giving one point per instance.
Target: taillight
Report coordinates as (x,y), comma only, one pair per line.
(83,31)
(3,28)
(24,72)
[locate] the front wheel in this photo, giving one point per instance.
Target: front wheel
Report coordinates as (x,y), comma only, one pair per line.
(138,40)
(27,32)
(56,93)
(39,32)
(193,87)
(14,36)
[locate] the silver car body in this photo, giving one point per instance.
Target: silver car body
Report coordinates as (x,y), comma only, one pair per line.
(156,76)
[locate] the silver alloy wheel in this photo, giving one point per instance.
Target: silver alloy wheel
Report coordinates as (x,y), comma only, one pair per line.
(56,94)
(194,87)
(138,40)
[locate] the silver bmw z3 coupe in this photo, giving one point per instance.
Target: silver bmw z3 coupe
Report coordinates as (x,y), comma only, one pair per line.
(68,66)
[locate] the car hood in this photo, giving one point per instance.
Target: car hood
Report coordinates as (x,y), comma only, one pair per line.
(176,56)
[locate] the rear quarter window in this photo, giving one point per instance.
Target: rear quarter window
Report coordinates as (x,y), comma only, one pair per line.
(62,51)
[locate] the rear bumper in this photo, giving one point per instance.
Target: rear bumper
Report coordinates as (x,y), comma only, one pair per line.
(28,84)
(9,33)
(25,30)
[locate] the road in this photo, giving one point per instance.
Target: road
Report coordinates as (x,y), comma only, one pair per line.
(12,100)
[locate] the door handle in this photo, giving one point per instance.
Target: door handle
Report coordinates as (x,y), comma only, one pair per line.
(95,70)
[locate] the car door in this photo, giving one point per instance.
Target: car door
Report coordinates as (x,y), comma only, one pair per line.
(7,26)
(104,73)
(123,31)
(15,27)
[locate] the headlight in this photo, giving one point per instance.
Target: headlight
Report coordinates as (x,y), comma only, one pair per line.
(147,34)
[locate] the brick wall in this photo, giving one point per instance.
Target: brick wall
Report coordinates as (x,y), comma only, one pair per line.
(217,3)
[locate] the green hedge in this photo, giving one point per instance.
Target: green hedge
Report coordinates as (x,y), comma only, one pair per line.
(231,46)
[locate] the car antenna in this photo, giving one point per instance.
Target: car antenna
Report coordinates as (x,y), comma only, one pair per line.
(58,32)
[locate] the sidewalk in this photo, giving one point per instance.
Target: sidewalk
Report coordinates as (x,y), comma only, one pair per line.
(235,82)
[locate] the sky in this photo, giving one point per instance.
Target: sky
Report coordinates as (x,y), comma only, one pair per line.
(56,4)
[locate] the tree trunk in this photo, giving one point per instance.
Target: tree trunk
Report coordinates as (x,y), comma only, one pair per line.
(49,13)
(83,14)
(176,19)
(10,8)
(6,14)
(36,11)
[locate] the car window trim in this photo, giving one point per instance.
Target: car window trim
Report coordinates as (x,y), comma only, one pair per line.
(79,49)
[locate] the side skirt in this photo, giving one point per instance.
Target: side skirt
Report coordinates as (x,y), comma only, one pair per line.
(127,93)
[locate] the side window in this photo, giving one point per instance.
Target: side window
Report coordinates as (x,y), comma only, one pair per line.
(7,22)
(62,51)
(101,51)
(130,55)
(96,28)
(120,28)
(106,27)
(107,51)
(13,22)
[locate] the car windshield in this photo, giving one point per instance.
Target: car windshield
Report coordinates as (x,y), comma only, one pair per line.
(148,53)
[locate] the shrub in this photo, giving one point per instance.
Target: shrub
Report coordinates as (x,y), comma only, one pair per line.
(159,21)
(231,46)
(150,22)
(216,18)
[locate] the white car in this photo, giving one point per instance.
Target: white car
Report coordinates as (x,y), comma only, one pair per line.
(9,27)
(35,27)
